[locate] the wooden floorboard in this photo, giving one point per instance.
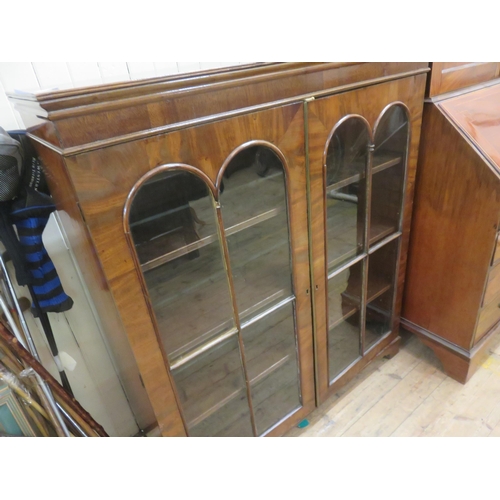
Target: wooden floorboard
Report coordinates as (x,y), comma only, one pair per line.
(410,395)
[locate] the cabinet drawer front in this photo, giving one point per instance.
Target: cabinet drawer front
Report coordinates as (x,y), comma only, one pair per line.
(489,315)
(493,286)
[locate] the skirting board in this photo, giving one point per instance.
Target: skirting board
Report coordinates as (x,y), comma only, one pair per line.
(457,362)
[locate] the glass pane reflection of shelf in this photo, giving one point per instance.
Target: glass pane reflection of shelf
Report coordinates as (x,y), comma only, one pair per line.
(170,246)
(255,189)
(273,402)
(343,346)
(247,195)
(378,319)
(344,305)
(381,287)
(344,232)
(212,391)
(382,161)
(191,298)
(260,265)
(191,301)
(380,229)
(271,354)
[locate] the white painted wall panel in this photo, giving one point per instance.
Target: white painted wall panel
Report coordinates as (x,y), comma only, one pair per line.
(212,65)
(7,118)
(18,75)
(166,68)
(140,70)
(113,72)
(187,67)
(52,75)
(84,73)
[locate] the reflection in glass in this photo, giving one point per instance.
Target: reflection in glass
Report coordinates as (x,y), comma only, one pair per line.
(381,287)
(272,364)
(254,210)
(172,220)
(389,163)
(344,309)
(255,215)
(346,161)
(174,229)
(213,393)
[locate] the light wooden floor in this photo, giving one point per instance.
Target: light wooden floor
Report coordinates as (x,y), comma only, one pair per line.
(409,395)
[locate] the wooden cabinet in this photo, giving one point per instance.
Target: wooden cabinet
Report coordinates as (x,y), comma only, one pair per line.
(243,231)
(452,298)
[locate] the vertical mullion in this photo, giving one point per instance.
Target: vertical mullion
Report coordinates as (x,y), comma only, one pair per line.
(364,289)
(227,265)
(311,257)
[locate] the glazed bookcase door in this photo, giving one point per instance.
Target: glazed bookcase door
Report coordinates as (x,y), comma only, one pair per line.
(358,183)
(217,250)
(388,175)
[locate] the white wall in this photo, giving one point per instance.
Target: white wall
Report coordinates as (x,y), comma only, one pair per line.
(46,75)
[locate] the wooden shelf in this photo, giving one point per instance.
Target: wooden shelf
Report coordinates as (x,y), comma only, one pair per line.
(352,254)
(376,287)
(157,246)
(380,230)
(354,309)
(384,161)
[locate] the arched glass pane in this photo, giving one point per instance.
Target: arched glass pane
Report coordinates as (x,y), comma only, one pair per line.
(346,161)
(254,210)
(389,164)
(255,215)
(174,230)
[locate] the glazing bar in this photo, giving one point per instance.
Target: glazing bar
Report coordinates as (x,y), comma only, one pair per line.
(227,265)
(347,265)
(386,164)
(268,311)
(163,259)
(383,242)
(182,360)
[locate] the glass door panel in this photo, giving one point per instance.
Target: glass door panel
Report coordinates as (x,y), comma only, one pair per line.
(255,214)
(382,266)
(346,164)
(388,172)
(254,210)
(213,392)
(344,318)
(272,364)
(174,228)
